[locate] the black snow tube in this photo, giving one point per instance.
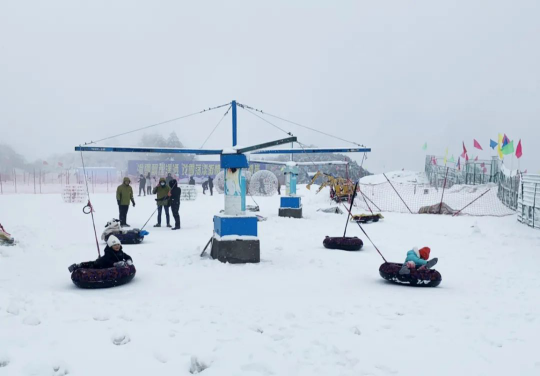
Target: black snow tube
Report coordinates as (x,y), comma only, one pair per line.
(88,278)
(134,236)
(366,218)
(346,243)
(419,278)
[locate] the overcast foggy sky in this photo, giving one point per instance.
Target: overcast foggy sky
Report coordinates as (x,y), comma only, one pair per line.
(387,74)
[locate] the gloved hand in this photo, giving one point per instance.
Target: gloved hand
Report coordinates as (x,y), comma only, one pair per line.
(118,202)
(119,264)
(129,262)
(133,202)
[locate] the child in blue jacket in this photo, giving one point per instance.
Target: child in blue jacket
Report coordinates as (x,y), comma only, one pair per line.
(417,259)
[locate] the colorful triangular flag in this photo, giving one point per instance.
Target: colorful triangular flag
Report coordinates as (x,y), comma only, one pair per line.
(464,151)
(459,163)
(477,145)
(446,156)
(492,144)
(475,159)
(425,146)
(519,150)
(506,140)
(499,145)
(466,157)
(452,159)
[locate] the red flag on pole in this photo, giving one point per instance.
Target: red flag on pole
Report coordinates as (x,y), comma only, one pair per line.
(519,150)
(464,151)
(466,157)
(476,158)
(60,164)
(477,145)
(45,163)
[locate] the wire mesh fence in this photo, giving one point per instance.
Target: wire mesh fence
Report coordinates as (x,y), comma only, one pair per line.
(475,200)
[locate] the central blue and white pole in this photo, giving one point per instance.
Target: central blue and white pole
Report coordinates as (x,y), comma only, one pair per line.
(235,233)
(233,104)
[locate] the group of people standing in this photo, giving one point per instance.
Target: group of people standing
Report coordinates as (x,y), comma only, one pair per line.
(168,197)
(145,183)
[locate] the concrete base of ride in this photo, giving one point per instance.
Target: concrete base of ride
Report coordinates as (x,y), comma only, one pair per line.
(290,212)
(237,251)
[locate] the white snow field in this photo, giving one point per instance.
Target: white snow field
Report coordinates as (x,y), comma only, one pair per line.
(303,311)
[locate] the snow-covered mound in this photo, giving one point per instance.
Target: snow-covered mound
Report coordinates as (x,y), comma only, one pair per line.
(304,310)
(397,176)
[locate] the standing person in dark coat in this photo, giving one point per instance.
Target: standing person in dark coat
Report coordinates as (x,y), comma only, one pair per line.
(142,185)
(148,184)
(124,194)
(191,181)
(162,192)
(211,185)
(174,201)
(204,187)
(280,182)
(168,178)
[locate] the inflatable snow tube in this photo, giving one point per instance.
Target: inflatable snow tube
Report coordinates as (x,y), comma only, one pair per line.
(134,236)
(366,218)
(420,278)
(88,278)
(346,243)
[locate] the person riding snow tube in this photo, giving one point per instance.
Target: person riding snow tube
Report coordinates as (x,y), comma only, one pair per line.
(5,237)
(114,268)
(346,243)
(418,258)
(416,271)
(416,277)
(125,235)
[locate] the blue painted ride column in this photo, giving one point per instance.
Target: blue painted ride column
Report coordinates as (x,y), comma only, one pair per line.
(291,205)
(235,233)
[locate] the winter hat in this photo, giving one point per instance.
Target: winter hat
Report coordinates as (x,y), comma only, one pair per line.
(172,183)
(113,240)
(424,253)
(127,180)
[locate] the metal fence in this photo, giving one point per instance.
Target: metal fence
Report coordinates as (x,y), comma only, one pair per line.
(471,172)
(508,190)
(528,204)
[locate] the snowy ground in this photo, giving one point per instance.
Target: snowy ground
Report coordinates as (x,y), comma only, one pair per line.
(303,310)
